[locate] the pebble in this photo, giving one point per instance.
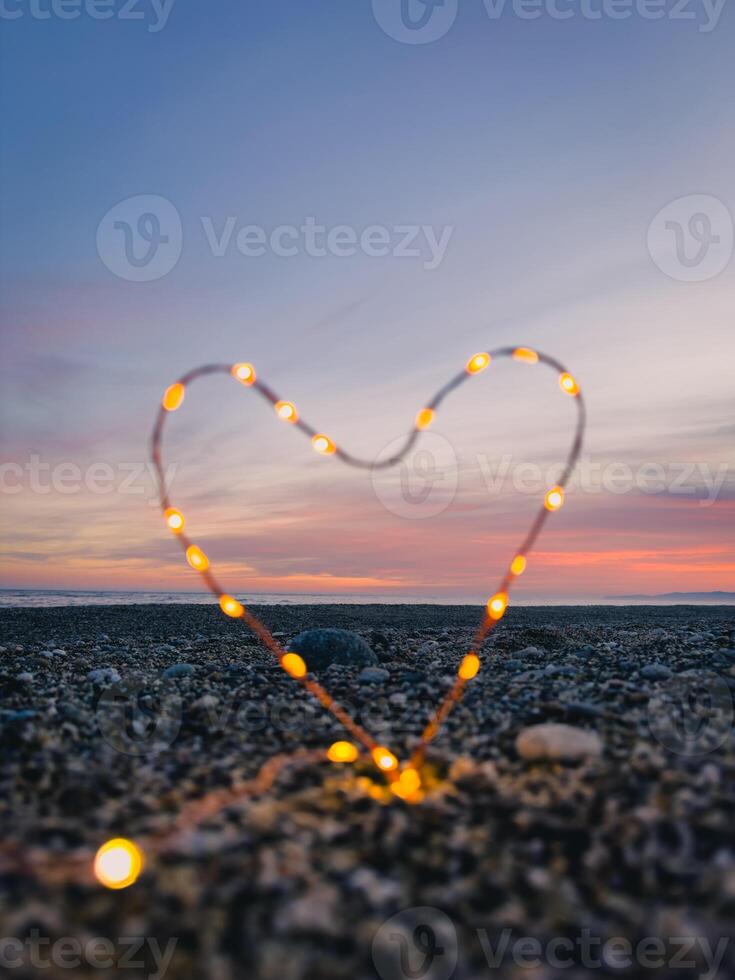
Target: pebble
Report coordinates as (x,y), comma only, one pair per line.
(322,647)
(373,675)
(178,670)
(104,675)
(655,672)
(554,742)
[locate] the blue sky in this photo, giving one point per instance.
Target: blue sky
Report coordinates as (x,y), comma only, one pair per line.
(545,147)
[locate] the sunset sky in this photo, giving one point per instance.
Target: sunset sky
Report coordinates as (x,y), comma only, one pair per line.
(542,149)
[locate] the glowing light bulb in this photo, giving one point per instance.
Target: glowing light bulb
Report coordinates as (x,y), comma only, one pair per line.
(469,667)
(384,758)
(244,373)
(293,664)
(477,363)
(518,565)
(173,396)
(231,607)
(286,411)
(323,444)
(118,863)
(525,354)
(568,384)
(196,558)
(408,785)
(342,752)
(174,520)
(424,418)
(554,498)
(497,605)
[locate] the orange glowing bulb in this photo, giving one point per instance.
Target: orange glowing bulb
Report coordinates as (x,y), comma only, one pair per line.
(173,396)
(554,498)
(408,785)
(469,667)
(196,558)
(384,758)
(174,520)
(231,607)
(118,863)
(525,354)
(342,752)
(568,384)
(477,363)
(286,411)
(323,444)
(424,418)
(518,565)
(244,373)
(497,605)
(294,665)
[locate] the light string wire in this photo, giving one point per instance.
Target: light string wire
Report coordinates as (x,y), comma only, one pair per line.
(119,862)
(496,606)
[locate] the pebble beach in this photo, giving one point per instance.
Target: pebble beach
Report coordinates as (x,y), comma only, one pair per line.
(585,787)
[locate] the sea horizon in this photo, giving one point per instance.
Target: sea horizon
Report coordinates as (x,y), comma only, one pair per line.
(53,598)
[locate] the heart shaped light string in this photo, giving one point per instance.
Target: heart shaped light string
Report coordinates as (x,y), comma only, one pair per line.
(119,862)
(406,781)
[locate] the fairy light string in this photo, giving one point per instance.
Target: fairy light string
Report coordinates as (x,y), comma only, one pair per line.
(118,863)
(286,411)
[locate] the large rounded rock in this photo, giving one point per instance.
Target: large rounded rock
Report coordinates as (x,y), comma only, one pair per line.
(555,742)
(323,647)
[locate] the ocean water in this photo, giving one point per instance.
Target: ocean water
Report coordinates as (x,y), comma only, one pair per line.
(52,597)
(40,598)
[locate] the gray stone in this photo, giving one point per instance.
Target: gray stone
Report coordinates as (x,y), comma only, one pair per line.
(373,675)
(178,670)
(554,742)
(655,672)
(104,675)
(322,647)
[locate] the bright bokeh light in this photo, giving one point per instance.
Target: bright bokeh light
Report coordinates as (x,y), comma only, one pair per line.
(173,396)
(477,363)
(518,565)
(118,863)
(286,411)
(525,354)
(497,605)
(196,558)
(342,752)
(174,520)
(408,785)
(384,758)
(469,667)
(244,373)
(554,498)
(568,384)
(323,444)
(294,665)
(231,607)
(424,418)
